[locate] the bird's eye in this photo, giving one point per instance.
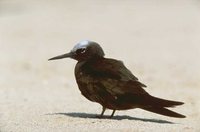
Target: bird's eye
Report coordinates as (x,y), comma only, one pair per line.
(80,51)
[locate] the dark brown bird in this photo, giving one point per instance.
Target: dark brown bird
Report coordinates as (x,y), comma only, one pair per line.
(109,83)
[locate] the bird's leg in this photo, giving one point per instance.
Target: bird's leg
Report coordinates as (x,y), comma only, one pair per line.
(103,110)
(112,114)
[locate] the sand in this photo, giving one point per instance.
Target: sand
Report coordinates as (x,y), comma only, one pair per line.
(158,41)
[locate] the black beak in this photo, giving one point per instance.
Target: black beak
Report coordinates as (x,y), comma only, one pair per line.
(62,56)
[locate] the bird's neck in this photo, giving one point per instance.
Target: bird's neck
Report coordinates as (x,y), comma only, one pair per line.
(83,63)
(93,59)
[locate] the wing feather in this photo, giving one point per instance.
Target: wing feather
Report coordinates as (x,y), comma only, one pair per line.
(115,77)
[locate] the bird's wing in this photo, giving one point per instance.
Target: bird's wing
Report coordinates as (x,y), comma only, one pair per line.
(115,77)
(114,69)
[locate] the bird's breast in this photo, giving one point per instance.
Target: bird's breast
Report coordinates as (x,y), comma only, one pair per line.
(85,82)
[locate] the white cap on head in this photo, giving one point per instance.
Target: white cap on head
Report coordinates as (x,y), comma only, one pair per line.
(81,44)
(92,47)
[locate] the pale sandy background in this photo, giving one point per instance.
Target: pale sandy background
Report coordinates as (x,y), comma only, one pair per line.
(159,41)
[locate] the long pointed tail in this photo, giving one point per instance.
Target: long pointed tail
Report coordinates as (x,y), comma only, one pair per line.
(164,111)
(158,102)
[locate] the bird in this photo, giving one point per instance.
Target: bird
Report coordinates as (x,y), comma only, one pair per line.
(108,82)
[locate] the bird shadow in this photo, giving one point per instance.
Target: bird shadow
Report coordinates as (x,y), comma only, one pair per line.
(119,117)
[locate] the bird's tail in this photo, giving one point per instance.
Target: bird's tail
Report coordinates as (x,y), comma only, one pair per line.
(157,105)
(164,111)
(158,102)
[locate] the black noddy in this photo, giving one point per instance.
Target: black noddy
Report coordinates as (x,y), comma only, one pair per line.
(108,82)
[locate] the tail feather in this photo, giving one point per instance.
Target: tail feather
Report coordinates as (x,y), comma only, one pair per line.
(158,102)
(164,111)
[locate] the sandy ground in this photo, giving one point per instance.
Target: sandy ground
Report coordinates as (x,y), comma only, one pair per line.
(158,41)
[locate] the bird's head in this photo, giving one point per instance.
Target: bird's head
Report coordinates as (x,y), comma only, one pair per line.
(84,50)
